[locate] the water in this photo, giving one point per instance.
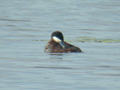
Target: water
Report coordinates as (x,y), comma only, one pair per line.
(25,28)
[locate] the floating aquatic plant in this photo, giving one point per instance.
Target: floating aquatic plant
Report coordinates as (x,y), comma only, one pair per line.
(91,39)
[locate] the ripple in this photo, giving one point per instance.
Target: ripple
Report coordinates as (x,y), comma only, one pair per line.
(52,67)
(109,74)
(19,20)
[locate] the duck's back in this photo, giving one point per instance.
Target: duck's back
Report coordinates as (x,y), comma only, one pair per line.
(54,47)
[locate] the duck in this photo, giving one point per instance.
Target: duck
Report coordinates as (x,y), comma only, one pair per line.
(57,44)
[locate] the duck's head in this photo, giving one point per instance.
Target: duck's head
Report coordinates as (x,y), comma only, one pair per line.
(57,37)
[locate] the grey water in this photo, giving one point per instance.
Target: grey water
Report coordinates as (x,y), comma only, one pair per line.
(92,25)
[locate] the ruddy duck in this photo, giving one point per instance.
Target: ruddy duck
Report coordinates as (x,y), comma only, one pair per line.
(58,45)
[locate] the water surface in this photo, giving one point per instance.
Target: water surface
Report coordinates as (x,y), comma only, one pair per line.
(25,28)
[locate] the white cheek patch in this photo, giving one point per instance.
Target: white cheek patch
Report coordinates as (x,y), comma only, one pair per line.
(56,39)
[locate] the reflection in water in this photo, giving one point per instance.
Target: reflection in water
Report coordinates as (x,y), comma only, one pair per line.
(56,56)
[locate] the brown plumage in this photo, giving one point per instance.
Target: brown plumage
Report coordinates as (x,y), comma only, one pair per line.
(54,46)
